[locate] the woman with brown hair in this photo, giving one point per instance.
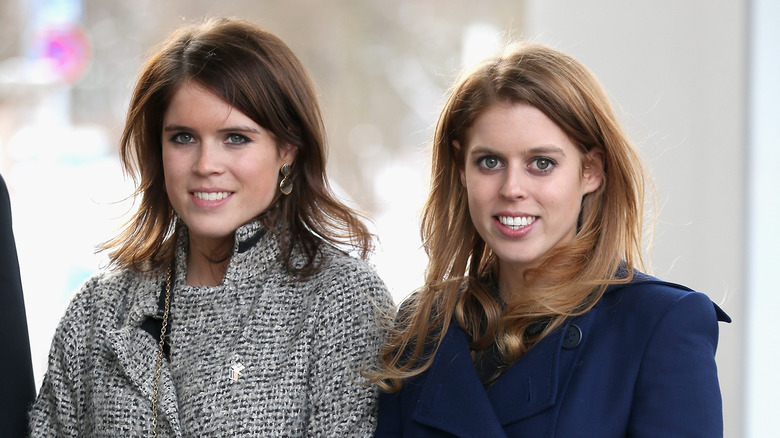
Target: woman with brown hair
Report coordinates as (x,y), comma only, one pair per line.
(534,320)
(233,309)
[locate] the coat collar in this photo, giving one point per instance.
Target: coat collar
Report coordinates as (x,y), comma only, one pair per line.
(463,409)
(538,380)
(533,384)
(249,236)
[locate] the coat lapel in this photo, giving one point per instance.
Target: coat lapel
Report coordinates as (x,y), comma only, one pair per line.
(538,380)
(452,398)
(136,354)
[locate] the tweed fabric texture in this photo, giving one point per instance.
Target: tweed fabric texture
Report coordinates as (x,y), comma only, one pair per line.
(301,344)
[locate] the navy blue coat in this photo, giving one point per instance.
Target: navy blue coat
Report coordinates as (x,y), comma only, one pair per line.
(17,385)
(641,363)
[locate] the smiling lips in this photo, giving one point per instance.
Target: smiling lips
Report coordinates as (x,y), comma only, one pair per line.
(516,223)
(211,196)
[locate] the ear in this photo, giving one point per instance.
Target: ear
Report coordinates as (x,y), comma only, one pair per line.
(287,153)
(460,160)
(593,170)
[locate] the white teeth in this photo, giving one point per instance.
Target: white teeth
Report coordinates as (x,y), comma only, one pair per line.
(211,196)
(516,222)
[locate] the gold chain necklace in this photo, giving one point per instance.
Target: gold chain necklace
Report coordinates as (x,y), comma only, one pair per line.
(158,368)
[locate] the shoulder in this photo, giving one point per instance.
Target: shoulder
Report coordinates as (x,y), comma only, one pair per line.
(347,272)
(643,285)
(109,285)
(649,346)
(345,282)
(103,299)
(647,299)
(642,324)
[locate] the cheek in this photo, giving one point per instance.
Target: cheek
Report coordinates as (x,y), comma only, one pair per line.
(171,166)
(479,196)
(571,205)
(263,177)
(480,187)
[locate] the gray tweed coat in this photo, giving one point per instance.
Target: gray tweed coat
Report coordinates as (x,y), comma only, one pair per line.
(299,348)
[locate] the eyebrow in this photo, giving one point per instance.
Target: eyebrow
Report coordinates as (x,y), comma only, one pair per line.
(537,150)
(237,128)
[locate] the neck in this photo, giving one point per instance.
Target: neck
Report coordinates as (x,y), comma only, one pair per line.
(207,264)
(206,273)
(510,282)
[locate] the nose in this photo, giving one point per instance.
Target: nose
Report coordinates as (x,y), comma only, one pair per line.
(208,160)
(513,185)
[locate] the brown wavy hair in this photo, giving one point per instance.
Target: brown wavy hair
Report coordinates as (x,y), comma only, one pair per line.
(257,73)
(462,269)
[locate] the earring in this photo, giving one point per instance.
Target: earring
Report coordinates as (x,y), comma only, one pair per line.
(286,185)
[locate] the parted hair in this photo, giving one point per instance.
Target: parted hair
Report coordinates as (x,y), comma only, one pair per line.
(258,74)
(461,270)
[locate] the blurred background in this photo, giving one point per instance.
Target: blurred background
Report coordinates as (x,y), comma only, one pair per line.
(695,83)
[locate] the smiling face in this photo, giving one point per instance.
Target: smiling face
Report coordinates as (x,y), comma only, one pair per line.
(221,168)
(525,181)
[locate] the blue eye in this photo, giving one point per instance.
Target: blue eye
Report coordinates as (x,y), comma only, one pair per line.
(542,164)
(489,162)
(237,139)
(183,138)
